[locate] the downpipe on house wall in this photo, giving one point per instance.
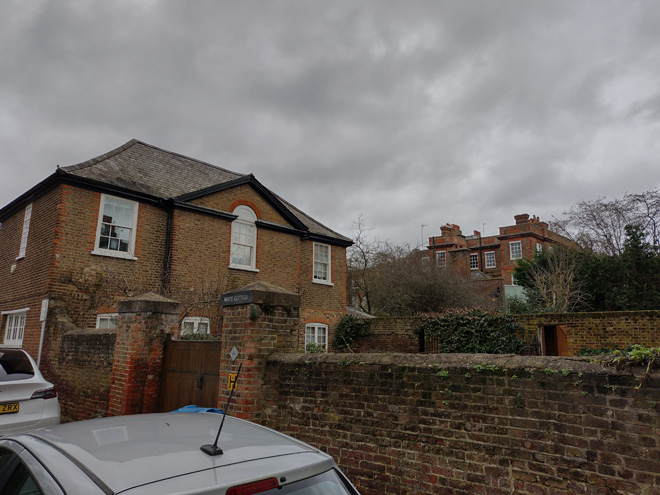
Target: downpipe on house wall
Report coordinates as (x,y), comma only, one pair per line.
(42,317)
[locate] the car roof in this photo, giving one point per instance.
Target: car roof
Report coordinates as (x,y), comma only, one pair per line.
(125,452)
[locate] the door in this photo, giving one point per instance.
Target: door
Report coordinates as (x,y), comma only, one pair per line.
(190,374)
(555,340)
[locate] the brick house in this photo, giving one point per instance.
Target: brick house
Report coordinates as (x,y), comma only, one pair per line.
(493,257)
(142,219)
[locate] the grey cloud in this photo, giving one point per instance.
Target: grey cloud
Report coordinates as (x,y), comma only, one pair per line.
(410,113)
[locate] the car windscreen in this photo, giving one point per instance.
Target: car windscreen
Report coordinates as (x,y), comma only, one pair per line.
(328,483)
(14,365)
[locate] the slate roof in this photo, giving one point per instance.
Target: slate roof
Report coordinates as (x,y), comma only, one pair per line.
(145,169)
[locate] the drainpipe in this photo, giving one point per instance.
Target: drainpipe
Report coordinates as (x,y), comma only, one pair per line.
(42,317)
(169,205)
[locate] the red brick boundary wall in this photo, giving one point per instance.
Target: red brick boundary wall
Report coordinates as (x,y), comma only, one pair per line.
(267,324)
(599,329)
(593,330)
(138,355)
(84,373)
(471,424)
(390,334)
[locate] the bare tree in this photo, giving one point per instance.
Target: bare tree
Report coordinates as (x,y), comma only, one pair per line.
(362,257)
(387,279)
(553,282)
(647,207)
(599,225)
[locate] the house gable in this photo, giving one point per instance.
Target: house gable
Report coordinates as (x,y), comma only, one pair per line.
(245,191)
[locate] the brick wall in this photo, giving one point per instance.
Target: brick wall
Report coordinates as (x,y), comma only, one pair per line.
(603,329)
(321,303)
(471,424)
(23,282)
(256,336)
(390,335)
(83,373)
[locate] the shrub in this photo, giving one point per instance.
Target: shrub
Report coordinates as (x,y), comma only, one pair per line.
(474,332)
(349,329)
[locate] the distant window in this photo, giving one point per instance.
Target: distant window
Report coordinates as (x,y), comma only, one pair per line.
(243,239)
(322,263)
(316,334)
(515,250)
(513,280)
(539,247)
(115,233)
(15,327)
(474,261)
(26,229)
(441,258)
(107,320)
(490,259)
(192,325)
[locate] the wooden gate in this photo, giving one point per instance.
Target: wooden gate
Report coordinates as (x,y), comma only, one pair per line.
(190,374)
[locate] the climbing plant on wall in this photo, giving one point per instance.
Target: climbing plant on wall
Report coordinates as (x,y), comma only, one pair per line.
(474,332)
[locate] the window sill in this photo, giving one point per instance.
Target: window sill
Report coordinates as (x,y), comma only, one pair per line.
(322,282)
(13,345)
(113,254)
(244,268)
(20,258)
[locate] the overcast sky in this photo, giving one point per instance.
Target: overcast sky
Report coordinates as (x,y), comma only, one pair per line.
(407,113)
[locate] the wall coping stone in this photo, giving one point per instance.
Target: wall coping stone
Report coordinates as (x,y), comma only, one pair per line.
(264,293)
(588,314)
(149,303)
(440,361)
(91,331)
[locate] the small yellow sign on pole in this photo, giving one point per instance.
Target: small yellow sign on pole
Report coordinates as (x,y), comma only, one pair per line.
(231,383)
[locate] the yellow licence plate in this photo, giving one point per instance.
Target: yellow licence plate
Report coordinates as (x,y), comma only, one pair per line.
(9,407)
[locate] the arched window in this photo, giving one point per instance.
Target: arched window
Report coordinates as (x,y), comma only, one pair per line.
(243,239)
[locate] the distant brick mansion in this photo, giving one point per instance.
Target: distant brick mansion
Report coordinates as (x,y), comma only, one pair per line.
(496,256)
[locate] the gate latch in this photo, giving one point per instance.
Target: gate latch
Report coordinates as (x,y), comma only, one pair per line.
(200,381)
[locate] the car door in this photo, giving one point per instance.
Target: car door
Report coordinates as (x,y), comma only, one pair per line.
(22,474)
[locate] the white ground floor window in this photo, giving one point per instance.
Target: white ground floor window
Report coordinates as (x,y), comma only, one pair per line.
(316,335)
(106,320)
(15,326)
(192,325)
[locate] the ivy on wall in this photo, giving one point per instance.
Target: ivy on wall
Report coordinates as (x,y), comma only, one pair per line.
(349,329)
(474,332)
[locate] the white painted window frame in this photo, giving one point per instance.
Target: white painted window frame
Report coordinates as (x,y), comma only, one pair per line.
(318,247)
(18,331)
(195,320)
(25,232)
(315,332)
(486,256)
(511,255)
(106,316)
(474,257)
(441,259)
(246,218)
(129,255)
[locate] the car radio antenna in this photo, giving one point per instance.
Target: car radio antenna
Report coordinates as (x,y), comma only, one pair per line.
(214,449)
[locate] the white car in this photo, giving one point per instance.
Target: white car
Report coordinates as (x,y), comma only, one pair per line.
(27,400)
(165,453)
